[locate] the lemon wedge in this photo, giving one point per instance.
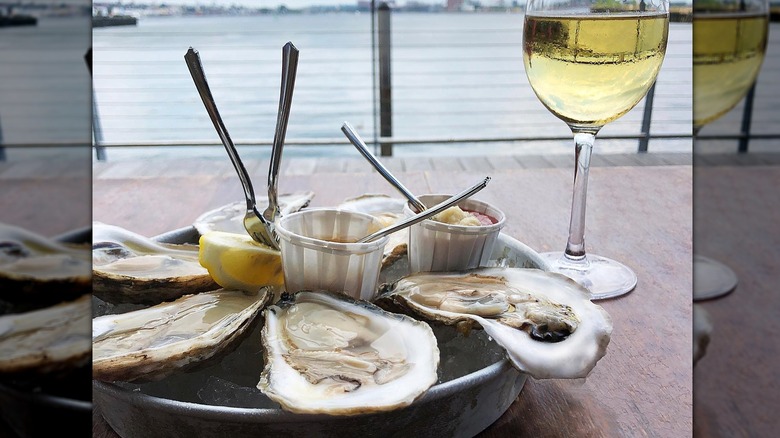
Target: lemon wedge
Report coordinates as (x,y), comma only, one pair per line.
(235,261)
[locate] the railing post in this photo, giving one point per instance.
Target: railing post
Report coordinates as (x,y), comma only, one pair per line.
(385,86)
(747,117)
(2,149)
(646,119)
(97,132)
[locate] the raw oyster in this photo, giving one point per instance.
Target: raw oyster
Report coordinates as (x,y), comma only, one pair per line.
(40,271)
(152,343)
(230,217)
(327,353)
(47,340)
(129,267)
(389,211)
(545,321)
(702,332)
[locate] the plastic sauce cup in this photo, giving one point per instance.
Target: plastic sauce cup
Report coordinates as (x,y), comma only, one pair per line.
(436,246)
(318,252)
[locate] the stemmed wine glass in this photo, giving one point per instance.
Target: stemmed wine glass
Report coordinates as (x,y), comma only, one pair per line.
(729,42)
(589,62)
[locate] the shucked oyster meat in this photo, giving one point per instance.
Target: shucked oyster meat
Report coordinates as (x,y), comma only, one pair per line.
(230,217)
(327,353)
(46,340)
(131,268)
(545,321)
(152,343)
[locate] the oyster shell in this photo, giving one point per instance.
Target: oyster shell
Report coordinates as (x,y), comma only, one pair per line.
(545,321)
(47,340)
(131,268)
(230,217)
(327,353)
(38,271)
(152,343)
(702,332)
(389,211)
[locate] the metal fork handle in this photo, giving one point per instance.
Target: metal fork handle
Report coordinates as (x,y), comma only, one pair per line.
(289,69)
(360,145)
(438,208)
(199,77)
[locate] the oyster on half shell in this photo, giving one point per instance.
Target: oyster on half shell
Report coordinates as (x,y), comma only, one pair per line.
(545,321)
(702,332)
(131,268)
(327,353)
(230,217)
(37,271)
(152,343)
(46,340)
(389,211)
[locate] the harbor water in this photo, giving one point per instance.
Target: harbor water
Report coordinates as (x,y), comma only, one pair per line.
(455,77)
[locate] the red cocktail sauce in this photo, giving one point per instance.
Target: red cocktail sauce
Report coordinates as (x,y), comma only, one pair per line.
(484,219)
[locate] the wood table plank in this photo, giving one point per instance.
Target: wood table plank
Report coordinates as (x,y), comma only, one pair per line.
(47,206)
(447,164)
(415,164)
(504,162)
(477,164)
(736,222)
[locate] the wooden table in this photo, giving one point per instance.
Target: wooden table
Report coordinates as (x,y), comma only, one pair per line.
(737,222)
(640,215)
(49,195)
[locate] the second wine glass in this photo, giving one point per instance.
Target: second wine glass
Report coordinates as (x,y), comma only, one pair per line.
(729,44)
(590,63)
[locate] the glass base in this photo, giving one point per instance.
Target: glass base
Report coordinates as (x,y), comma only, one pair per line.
(711,279)
(603,277)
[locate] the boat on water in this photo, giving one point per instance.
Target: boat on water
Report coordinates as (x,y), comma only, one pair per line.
(17,20)
(113,20)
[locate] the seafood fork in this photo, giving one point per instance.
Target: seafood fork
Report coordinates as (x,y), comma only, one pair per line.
(259,226)
(360,145)
(289,69)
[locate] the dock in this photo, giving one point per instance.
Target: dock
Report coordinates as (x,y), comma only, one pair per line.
(113,20)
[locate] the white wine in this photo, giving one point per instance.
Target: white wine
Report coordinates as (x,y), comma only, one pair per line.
(591,69)
(728,50)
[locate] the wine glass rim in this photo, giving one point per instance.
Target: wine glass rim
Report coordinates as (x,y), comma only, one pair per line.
(591,14)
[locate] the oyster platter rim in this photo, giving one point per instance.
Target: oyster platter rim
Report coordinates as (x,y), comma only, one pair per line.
(190,234)
(203,410)
(50,400)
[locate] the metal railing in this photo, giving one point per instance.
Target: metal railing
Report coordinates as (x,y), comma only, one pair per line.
(468,81)
(415,84)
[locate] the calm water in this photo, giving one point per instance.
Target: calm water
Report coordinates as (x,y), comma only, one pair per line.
(44,82)
(455,76)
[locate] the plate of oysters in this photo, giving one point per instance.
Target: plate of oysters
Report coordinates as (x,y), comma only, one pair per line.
(456,316)
(45,348)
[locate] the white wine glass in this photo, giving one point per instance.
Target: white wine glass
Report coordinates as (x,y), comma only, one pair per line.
(590,62)
(729,43)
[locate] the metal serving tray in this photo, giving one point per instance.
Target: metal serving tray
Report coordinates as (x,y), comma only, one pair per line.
(460,406)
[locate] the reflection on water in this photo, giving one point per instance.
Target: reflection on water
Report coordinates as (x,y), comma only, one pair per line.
(453,76)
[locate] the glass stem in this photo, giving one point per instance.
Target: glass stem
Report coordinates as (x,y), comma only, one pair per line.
(575,246)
